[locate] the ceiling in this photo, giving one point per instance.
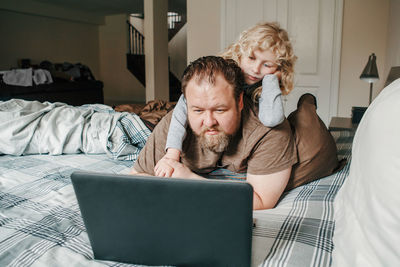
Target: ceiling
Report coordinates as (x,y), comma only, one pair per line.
(110,7)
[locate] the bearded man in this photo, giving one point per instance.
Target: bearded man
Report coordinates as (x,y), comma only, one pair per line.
(224,132)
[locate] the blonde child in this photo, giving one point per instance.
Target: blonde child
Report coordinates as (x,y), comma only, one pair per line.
(265,55)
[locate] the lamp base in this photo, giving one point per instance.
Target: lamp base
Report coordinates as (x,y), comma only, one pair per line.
(357,113)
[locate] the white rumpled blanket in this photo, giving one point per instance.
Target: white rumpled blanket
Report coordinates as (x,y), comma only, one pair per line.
(24,77)
(32,127)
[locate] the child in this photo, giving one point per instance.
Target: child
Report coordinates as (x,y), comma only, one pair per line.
(265,55)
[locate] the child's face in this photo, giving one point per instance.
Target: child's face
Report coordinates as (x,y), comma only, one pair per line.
(257,65)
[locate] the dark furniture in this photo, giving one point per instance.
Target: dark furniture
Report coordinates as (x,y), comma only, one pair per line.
(342,124)
(74,93)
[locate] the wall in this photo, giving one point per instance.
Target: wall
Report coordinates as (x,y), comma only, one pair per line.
(120,86)
(203,28)
(393,40)
(44,38)
(365,24)
(177,50)
(314,29)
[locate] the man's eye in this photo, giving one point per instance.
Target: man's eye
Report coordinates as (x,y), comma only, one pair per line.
(252,58)
(197,110)
(220,110)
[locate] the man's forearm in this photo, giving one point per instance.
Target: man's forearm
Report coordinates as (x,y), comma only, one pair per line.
(258,203)
(135,172)
(268,188)
(180,171)
(194,176)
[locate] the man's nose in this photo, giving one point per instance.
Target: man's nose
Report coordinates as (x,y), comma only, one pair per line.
(209,120)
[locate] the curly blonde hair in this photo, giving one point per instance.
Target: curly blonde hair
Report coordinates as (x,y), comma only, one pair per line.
(266,36)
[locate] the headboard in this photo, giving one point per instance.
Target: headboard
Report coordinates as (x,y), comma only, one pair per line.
(393,75)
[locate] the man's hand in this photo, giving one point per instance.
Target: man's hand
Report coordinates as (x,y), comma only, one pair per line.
(181,171)
(163,168)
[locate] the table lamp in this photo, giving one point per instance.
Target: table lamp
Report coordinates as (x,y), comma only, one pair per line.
(370,73)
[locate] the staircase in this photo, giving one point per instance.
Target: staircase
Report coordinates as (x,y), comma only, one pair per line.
(135,57)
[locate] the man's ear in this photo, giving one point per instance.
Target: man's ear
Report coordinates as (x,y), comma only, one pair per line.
(240,103)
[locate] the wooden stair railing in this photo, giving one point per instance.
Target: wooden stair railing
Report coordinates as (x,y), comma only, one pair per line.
(136,40)
(175,24)
(135,59)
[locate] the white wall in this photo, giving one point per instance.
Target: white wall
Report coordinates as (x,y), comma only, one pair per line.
(393,40)
(177,50)
(203,28)
(365,24)
(365,31)
(120,86)
(43,38)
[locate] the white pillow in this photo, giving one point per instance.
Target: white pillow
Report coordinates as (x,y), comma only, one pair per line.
(367,207)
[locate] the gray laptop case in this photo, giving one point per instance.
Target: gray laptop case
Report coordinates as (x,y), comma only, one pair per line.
(166,221)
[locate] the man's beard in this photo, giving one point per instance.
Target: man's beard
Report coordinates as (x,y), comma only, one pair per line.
(217,143)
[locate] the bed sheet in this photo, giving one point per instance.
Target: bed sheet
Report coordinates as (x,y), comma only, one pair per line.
(299,230)
(40,222)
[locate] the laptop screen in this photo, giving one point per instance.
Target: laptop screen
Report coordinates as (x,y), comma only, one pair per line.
(166,221)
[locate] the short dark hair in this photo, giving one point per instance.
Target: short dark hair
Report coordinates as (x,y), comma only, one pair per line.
(208,67)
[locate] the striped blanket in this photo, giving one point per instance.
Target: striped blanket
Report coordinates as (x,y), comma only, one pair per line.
(41,225)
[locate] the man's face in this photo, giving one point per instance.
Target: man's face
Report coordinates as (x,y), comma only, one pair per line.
(213,112)
(257,65)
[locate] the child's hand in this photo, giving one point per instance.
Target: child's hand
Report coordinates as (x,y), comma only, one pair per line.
(163,168)
(278,74)
(272,78)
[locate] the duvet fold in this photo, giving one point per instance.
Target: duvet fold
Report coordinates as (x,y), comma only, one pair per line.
(32,127)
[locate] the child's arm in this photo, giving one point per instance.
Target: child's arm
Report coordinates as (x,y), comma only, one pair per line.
(176,134)
(270,104)
(177,127)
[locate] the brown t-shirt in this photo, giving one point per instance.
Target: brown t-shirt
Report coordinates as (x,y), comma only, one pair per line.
(255,148)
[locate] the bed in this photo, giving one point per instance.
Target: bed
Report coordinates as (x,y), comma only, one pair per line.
(71,92)
(41,225)
(73,84)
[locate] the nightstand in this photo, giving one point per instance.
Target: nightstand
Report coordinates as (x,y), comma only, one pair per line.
(342,124)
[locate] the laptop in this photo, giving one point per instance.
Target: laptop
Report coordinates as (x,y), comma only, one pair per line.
(166,221)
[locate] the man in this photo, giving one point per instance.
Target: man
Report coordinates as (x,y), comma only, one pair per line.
(225,132)
(316,147)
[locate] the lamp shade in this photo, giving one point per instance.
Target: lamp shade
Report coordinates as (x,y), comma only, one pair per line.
(370,72)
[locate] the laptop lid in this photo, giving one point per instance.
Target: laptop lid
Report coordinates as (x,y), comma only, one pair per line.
(166,221)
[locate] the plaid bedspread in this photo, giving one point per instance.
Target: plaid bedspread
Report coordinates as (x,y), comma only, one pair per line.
(40,222)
